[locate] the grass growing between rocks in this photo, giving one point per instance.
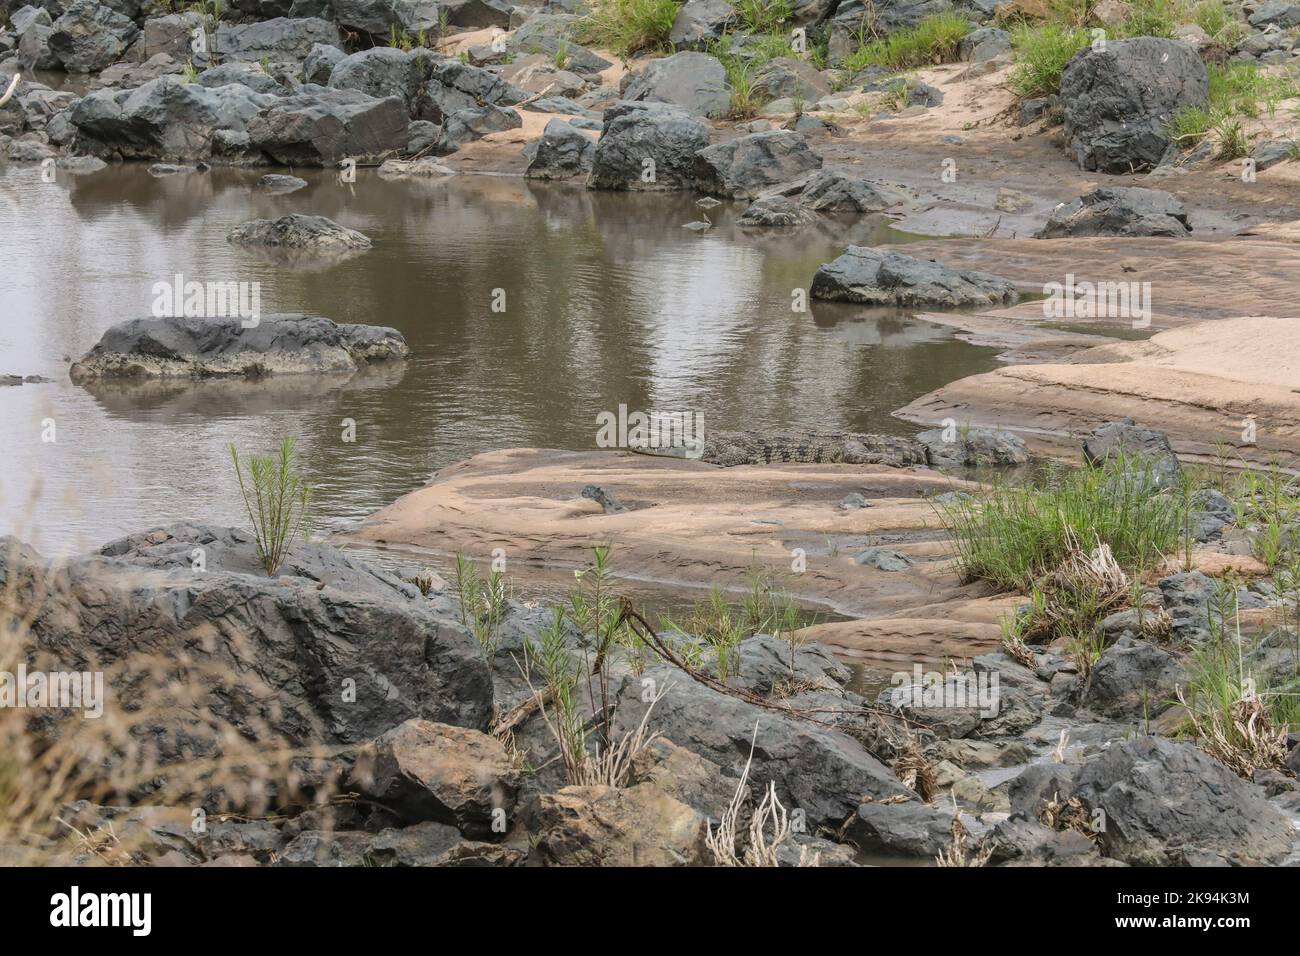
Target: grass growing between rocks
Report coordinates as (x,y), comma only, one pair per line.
(628,27)
(932,41)
(717,626)
(277,499)
(1014,534)
(1240,724)
(1043,52)
(1238,92)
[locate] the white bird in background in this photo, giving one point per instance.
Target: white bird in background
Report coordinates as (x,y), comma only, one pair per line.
(699,226)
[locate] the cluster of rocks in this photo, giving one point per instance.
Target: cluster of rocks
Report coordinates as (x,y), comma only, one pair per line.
(334,652)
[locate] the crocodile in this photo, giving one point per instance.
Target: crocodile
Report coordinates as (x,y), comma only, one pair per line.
(754,448)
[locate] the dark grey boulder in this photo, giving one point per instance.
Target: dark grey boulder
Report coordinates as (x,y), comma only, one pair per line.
(320,128)
(1120,99)
(553,33)
(821,771)
(1038,784)
(827,191)
(909,829)
(298,231)
(697,82)
(1192,598)
(273,653)
(173,34)
(563,152)
(90,36)
(1276,12)
(876,277)
(1020,841)
(1119,211)
(1148,450)
(169,119)
(746,166)
(788,78)
(647,146)
(701,21)
(974,447)
(279,40)
(1272,152)
(853,18)
(320,62)
(984,44)
(465,126)
(1134,678)
(250,75)
(1170,804)
(207,347)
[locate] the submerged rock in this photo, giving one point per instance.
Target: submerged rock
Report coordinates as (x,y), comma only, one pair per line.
(192,347)
(281,184)
(1119,211)
(776,212)
(876,277)
(297,231)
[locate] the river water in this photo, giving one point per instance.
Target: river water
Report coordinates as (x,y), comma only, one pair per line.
(608,301)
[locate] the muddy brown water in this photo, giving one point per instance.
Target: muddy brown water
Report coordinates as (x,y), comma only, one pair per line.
(608,301)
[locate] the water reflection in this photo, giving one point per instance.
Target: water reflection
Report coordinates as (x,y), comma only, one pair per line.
(607,301)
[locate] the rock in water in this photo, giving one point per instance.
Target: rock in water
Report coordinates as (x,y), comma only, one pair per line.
(1119,211)
(746,166)
(296,231)
(776,212)
(647,146)
(1119,99)
(875,277)
(194,347)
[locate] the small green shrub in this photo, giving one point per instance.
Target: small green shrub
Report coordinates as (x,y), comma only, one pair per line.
(1013,535)
(933,40)
(277,499)
(630,26)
